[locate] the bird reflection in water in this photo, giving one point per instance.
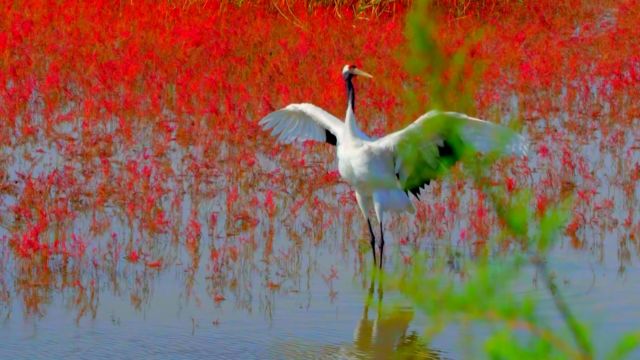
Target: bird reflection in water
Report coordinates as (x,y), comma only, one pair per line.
(387,335)
(383,333)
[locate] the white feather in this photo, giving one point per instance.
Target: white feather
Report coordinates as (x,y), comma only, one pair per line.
(301,122)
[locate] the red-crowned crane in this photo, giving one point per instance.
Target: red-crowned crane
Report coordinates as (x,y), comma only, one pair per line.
(384,171)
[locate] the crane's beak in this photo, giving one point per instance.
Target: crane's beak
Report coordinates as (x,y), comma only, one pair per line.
(361,73)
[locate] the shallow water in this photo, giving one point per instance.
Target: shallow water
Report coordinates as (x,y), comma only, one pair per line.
(291,322)
(286,284)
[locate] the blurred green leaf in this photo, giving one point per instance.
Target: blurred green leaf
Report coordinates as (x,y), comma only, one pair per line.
(519,212)
(553,220)
(627,344)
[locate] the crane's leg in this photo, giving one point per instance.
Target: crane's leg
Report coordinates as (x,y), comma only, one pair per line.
(381,244)
(364,202)
(373,242)
(380,200)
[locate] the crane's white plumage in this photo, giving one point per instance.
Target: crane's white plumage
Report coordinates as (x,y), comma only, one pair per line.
(483,136)
(302,122)
(384,171)
(436,140)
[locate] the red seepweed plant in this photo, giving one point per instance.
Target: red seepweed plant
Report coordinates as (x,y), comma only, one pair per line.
(123,118)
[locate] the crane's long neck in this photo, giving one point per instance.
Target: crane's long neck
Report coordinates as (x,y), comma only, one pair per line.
(350,118)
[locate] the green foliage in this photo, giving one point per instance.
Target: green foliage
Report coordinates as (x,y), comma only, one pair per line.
(553,220)
(625,346)
(486,294)
(518,212)
(449,79)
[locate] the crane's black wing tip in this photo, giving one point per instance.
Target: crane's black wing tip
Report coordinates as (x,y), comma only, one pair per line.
(448,155)
(330,138)
(417,189)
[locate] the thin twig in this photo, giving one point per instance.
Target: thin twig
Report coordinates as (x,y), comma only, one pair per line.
(563,308)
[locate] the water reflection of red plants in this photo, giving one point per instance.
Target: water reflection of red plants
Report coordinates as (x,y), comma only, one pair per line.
(130,144)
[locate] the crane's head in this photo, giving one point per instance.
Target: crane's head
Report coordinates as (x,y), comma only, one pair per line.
(351,70)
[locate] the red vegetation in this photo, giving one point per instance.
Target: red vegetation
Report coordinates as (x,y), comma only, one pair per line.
(141,118)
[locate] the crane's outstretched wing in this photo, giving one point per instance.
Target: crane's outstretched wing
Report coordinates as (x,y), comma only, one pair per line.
(437,140)
(303,122)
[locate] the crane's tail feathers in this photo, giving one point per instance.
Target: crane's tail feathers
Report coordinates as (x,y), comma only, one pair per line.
(392,200)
